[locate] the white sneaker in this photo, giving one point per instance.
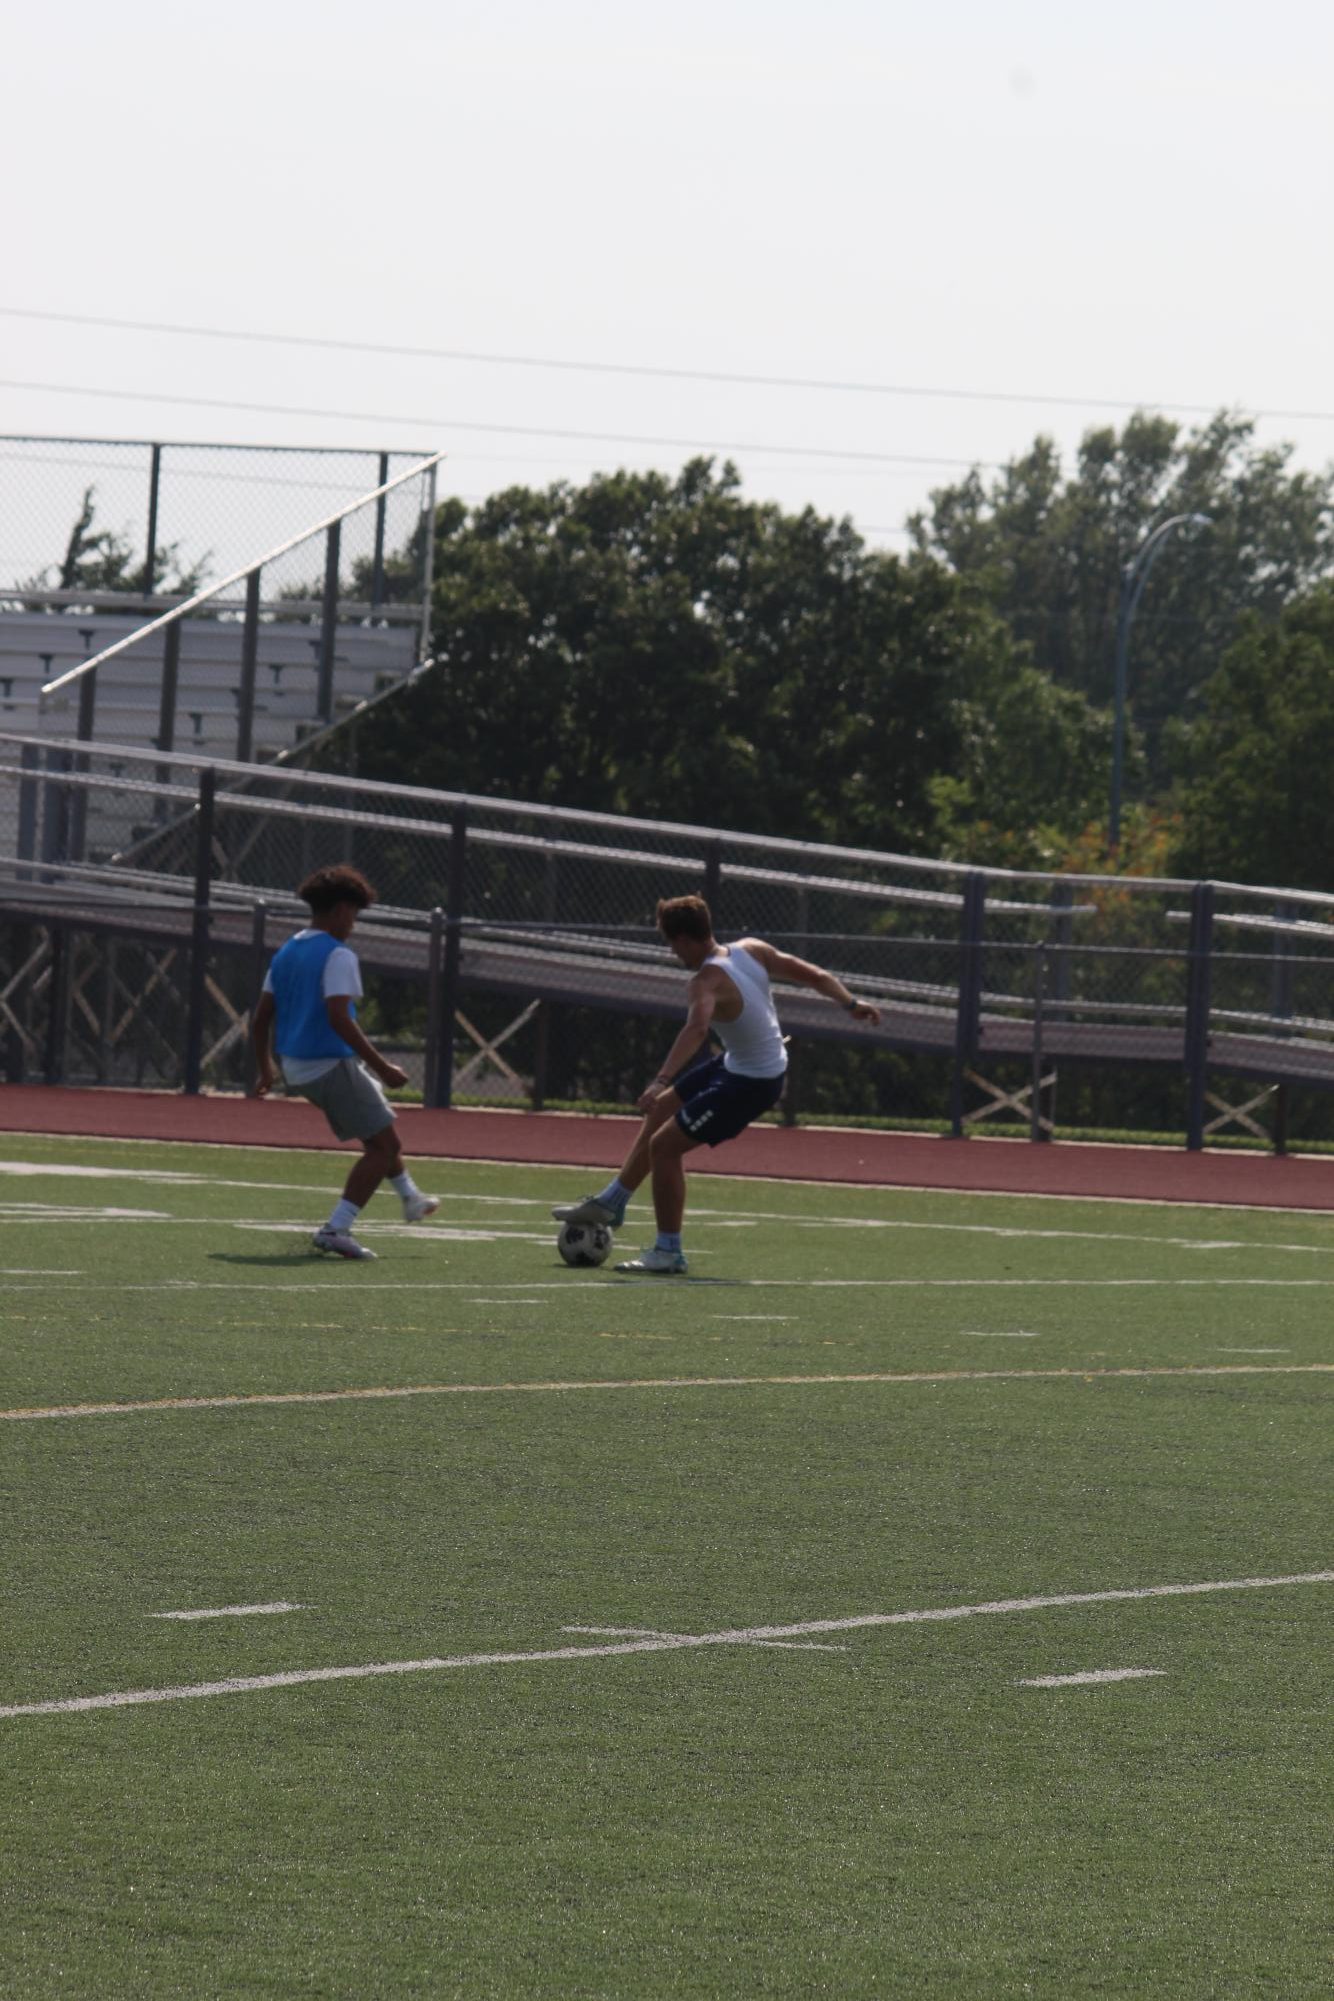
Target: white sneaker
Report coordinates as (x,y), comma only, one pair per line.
(416,1208)
(590,1211)
(341,1242)
(665,1263)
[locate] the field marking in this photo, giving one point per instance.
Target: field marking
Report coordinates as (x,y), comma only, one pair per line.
(38,1271)
(1096,1674)
(729,1218)
(682,1284)
(1255,1351)
(380,1392)
(770,1318)
(648,1633)
(997,1334)
(564,1167)
(653,1644)
(232,1611)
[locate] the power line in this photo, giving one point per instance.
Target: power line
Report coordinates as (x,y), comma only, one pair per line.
(508,430)
(732,378)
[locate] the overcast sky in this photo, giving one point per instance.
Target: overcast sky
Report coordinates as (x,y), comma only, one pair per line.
(1016,201)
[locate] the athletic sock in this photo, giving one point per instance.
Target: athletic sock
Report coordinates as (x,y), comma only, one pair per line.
(404,1185)
(615,1195)
(344,1215)
(668,1240)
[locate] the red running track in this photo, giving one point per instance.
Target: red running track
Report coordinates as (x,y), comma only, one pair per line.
(804,1153)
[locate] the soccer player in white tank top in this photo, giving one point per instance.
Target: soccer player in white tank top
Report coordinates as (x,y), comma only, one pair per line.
(728,994)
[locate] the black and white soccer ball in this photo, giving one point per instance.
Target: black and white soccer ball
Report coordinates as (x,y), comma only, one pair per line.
(584,1243)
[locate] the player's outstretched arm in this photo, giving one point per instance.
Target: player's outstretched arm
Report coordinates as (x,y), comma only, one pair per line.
(699,1016)
(791,971)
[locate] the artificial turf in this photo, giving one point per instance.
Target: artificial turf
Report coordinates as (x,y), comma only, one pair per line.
(900,1816)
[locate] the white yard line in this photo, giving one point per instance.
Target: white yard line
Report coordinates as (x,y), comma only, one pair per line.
(649,1633)
(1096,1674)
(380,1393)
(232,1611)
(998,1334)
(737,1636)
(1255,1351)
(732,1217)
(685,1283)
(563,1167)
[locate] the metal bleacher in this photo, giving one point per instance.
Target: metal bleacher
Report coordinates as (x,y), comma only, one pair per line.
(36,647)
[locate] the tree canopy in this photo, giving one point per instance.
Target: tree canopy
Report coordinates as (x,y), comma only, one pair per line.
(1046,550)
(665,647)
(1258,806)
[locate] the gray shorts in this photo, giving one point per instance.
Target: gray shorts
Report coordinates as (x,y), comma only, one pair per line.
(350,1099)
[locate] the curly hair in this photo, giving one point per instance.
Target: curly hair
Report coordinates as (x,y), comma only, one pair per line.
(328,887)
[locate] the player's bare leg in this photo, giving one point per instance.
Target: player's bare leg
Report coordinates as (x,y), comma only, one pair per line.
(668,1148)
(608,1206)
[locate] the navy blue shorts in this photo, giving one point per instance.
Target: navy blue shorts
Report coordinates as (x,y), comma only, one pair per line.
(717,1104)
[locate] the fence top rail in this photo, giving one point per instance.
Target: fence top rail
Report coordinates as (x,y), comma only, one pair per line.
(213,445)
(129,602)
(190,604)
(258,774)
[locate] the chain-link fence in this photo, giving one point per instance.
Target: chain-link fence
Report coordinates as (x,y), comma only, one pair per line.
(252,665)
(513,953)
(87,518)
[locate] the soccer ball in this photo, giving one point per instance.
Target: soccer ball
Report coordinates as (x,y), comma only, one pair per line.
(584,1243)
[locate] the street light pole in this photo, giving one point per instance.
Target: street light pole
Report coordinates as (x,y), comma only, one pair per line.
(1134,576)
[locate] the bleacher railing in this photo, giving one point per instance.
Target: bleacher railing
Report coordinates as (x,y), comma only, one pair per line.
(276,566)
(1003,975)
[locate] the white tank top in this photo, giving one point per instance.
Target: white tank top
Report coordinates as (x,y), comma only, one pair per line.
(753,1043)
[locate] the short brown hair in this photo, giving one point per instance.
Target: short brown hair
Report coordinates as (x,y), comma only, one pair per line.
(328,887)
(684,917)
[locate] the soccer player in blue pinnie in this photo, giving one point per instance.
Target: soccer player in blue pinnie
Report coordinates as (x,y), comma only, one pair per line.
(308,1009)
(703,1102)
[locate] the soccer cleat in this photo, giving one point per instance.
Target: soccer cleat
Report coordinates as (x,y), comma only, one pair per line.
(416,1208)
(341,1242)
(664,1263)
(590,1211)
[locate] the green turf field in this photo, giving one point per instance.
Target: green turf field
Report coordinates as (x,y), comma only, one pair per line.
(861,1402)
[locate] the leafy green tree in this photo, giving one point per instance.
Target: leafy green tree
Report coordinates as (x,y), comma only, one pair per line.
(1258,806)
(104,559)
(1046,549)
(665,647)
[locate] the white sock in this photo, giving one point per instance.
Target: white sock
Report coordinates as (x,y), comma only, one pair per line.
(404,1185)
(344,1215)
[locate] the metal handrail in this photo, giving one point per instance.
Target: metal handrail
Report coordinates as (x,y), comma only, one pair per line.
(182,610)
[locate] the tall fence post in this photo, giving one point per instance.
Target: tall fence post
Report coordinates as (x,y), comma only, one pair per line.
(199,935)
(1197,1010)
(166,715)
(245,699)
(29,760)
(259,955)
(78,805)
(377,560)
(328,623)
(1035,1131)
(972,918)
(455,894)
(434,954)
(58,1009)
(154,491)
